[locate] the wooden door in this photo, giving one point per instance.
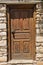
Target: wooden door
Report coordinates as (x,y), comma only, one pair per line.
(22,33)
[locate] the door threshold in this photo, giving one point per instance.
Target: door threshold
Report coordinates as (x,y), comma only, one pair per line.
(20,61)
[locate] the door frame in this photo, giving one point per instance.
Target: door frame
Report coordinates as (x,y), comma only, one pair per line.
(9,27)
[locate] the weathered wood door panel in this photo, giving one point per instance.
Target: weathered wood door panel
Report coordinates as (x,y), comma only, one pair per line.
(22,33)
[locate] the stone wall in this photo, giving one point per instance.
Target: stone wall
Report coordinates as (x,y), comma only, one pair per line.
(39,34)
(3,35)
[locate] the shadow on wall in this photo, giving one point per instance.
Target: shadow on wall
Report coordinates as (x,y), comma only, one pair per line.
(41,26)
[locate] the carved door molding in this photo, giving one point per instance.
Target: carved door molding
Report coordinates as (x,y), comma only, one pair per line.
(21,32)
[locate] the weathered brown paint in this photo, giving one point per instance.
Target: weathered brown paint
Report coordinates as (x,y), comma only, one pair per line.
(22,21)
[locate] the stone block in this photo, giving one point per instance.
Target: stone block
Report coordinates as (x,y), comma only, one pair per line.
(37,6)
(2,33)
(41,50)
(3,58)
(2,7)
(37,59)
(3,19)
(5,54)
(41,59)
(39,39)
(39,55)
(27,64)
(37,19)
(20,61)
(3,43)
(42,15)
(37,49)
(37,22)
(38,44)
(40,63)
(38,16)
(2,14)
(37,31)
(0,30)
(2,26)
(37,26)
(4,37)
(3,63)
(1,54)
(42,44)
(37,12)
(3,50)
(4,30)
(2,11)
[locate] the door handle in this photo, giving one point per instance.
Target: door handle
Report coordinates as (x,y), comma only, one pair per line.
(13,34)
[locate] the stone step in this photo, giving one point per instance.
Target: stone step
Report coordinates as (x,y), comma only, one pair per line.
(20,61)
(40,63)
